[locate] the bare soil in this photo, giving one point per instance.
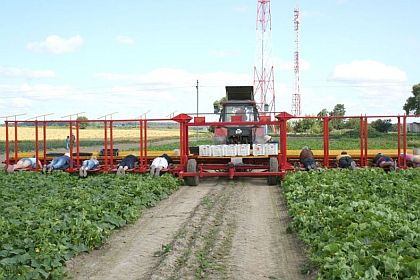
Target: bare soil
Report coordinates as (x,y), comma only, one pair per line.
(219,230)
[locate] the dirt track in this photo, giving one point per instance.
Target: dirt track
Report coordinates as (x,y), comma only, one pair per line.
(218,230)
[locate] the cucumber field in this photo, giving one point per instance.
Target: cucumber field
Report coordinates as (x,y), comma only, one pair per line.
(331,224)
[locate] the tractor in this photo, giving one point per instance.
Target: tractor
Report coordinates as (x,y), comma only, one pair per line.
(239,107)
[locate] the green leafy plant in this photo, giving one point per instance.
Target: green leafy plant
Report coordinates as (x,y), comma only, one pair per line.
(358,224)
(45,220)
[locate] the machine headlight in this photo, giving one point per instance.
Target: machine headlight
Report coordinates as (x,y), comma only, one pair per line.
(238,131)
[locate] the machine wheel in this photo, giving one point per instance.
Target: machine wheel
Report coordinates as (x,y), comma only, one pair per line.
(192,167)
(274,167)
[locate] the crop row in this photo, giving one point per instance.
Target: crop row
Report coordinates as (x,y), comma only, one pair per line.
(45,220)
(358,224)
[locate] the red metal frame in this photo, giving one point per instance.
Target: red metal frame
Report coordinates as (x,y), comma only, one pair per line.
(209,167)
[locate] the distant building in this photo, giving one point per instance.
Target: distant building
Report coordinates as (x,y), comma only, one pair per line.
(413,127)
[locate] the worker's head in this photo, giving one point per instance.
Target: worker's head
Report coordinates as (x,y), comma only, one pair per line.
(93,157)
(376,158)
(305,148)
(267,138)
(344,153)
(67,154)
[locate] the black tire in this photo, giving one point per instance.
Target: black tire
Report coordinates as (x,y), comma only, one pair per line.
(192,167)
(274,167)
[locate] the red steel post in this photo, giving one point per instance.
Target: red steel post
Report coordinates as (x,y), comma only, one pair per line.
(141,143)
(105,146)
(181,145)
(405,141)
(366,141)
(111,144)
(71,145)
(16,141)
(36,146)
(145,142)
(361,142)
(77,145)
(399,141)
(7,144)
(326,141)
(186,139)
(44,140)
(283,143)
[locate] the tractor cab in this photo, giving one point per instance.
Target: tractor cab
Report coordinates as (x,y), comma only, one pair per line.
(239,107)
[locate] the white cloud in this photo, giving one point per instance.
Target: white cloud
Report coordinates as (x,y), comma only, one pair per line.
(21,102)
(362,71)
(57,45)
(166,90)
(36,92)
(223,53)
(176,77)
(14,72)
(126,40)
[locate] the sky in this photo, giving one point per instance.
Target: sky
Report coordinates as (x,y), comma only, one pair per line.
(143,58)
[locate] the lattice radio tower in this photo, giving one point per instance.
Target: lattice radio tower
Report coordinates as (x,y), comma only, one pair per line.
(263,69)
(296,110)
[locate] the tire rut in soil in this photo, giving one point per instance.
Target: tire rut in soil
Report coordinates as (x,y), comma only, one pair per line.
(199,249)
(262,248)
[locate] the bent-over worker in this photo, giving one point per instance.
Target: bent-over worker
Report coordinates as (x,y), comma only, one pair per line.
(88,164)
(159,163)
(344,160)
(306,157)
(24,163)
(129,162)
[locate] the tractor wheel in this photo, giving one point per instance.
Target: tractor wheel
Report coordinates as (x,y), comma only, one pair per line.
(192,167)
(274,167)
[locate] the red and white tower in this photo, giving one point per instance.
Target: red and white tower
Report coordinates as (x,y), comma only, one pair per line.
(296,110)
(263,69)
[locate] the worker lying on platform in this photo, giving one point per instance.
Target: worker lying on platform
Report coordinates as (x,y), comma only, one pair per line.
(306,157)
(269,139)
(411,160)
(23,163)
(344,160)
(88,164)
(160,163)
(129,162)
(58,163)
(384,162)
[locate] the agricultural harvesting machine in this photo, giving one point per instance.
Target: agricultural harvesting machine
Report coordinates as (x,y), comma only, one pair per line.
(239,107)
(238,150)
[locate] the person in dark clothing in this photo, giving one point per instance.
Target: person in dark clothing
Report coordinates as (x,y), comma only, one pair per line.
(306,157)
(129,162)
(344,160)
(384,162)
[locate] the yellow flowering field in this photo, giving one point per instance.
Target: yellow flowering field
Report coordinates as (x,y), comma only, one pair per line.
(28,133)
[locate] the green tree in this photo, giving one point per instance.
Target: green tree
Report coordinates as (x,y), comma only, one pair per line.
(323,113)
(382,125)
(412,105)
(307,126)
(82,125)
(218,104)
(353,124)
(338,110)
